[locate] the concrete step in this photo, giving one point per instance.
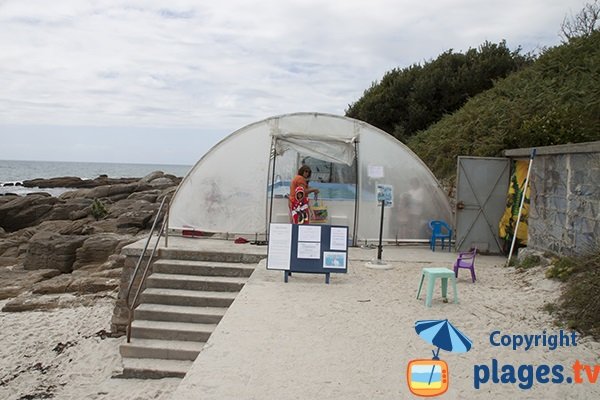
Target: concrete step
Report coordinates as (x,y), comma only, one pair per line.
(187,297)
(163,349)
(193,282)
(154,368)
(165,312)
(166,330)
(206,268)
(218,256)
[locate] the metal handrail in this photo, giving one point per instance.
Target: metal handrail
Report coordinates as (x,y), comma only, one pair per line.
(132,305)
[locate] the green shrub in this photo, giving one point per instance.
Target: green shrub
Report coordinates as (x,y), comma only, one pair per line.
(562,269)
(529,262)
(579,304)
(98,210)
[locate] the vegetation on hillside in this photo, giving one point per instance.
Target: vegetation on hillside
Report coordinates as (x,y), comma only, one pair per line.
(554,101)
(410,99)
(579,304)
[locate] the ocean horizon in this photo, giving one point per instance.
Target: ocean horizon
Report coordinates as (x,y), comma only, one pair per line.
(13,172)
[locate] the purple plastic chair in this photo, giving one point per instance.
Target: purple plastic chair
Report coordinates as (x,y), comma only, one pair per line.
(466,260)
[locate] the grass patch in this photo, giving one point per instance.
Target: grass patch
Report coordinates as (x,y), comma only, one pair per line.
(529,262)
(579,303)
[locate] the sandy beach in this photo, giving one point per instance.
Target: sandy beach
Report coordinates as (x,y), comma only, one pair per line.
(65,354)
(351,339)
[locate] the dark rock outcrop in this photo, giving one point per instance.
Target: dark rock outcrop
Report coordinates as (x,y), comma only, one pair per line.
(21,212)
(50,246)
(76,182)
(49,250)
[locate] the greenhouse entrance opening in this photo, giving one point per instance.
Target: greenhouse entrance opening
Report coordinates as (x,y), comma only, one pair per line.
(335,175)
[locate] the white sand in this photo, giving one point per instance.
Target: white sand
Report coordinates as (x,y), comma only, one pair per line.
(353,339)
(32,367)
(307,340)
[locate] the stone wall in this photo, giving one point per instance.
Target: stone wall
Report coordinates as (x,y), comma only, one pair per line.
(120,314)
(564,216)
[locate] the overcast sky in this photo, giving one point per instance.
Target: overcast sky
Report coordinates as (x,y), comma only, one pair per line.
(162,81)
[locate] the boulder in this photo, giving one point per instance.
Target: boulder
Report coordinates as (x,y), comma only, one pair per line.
(22,212)
(52,250)
(25,302)
(82,284)
(65,209)
(94,284)
(76,182)
(162,183)
(64,181)
(98,248)
(116,191)
(150,196)
(152,176)
(15,280)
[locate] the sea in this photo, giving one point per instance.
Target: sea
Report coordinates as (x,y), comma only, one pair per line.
(13,172)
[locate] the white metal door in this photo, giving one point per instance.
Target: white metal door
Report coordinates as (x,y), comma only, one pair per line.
(481,188)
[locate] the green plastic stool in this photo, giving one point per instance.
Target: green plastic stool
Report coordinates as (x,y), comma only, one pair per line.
(443,274)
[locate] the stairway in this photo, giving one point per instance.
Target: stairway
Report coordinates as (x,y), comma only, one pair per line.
(180,307)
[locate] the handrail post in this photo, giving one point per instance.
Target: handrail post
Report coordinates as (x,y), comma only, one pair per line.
(131,305)
(167,225)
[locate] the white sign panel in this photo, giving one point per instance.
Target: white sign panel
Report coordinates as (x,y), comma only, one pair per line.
(309,250)
(375,171)
(280,246)
(308,233)
(339,238)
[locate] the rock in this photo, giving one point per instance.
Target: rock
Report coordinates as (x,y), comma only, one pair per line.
(150,195)
(94,284)
(58,284)
(65,227)
(52,250)
(76,182)
(8,292)
(8,260)
(67,283)
(22,212)
(152,176)
(60,235)
(98,248)
(47,302)
(161,183)
(116,191)
(64,209)
(15,280)
(65,181)
(138,220)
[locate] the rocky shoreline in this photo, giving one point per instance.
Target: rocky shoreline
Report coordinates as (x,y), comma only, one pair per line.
(71,243)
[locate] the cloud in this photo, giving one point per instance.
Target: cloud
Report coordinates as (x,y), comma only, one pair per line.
(220,65)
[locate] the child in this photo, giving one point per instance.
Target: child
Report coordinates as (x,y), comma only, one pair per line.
(299,207)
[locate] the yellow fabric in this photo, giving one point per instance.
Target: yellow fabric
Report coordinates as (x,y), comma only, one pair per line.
(513,201)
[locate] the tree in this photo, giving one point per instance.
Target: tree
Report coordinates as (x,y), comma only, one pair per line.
(582,24)
(411,99)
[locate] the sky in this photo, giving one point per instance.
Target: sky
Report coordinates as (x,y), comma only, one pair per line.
(161,82)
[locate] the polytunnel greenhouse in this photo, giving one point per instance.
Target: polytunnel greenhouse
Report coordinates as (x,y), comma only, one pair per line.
(241,185)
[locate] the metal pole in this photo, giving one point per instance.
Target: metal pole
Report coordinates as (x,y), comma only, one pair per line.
(356,190)
(512,246)
(380,247)
(274,152)
(167,225)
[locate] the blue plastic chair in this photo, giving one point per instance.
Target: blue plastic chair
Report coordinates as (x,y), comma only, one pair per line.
(440,230)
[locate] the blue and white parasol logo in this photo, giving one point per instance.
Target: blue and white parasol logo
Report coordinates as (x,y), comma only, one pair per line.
(430,378)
